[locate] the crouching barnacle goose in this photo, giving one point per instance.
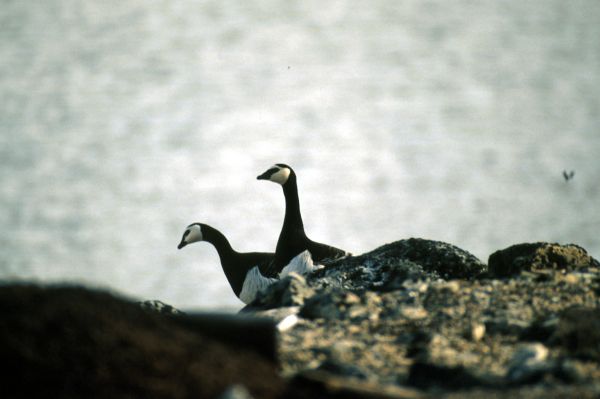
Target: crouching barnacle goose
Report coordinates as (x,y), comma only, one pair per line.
(294,248)
(247,272)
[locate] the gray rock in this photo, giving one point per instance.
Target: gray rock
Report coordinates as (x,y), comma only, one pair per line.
(530,364)
(156,306)
(387,267)
(539,256)
(529,354)
(291,290)
(438,257)
(333,303)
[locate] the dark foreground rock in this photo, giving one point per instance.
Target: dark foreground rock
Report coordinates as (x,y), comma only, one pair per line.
(424,315)
(75,343)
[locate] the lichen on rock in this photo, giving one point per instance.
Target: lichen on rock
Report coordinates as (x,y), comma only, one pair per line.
(539,256)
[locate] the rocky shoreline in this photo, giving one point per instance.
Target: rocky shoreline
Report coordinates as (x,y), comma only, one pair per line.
(430,316)
(413,318)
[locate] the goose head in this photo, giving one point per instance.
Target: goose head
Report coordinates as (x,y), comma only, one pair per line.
(278,173)
(191,234)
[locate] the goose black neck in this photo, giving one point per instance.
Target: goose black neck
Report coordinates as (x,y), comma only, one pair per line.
(293,218)
(220,242)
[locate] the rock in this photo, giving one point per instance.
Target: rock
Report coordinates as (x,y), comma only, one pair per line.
(540,330)
(445,259)
(157,306)
(418,344)
(343,369)
(528,364)
(392,317)
(276,314)
(291,290)
(442,294)
(452,287)
(368,272)
(477,331)
(413,312)
(236,392)
(322,384)
(427,376)
(389,266)
(287,323)
(236,331)
(385,269)
(578,332)
(74,342)
(539,256)
(571,372)
(506,326)
(337,304)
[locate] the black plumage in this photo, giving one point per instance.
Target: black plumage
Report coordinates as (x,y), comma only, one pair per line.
(235,264)
(293,239)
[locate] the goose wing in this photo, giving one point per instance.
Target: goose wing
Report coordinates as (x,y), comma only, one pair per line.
(264,262)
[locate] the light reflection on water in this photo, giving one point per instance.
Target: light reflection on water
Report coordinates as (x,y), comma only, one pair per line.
(122,122)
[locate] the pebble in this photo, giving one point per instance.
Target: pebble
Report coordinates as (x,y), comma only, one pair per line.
(530,354)
(236,391)
(287,323)
(477,331)
(413,312)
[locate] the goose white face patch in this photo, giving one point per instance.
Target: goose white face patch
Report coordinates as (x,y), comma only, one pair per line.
(281,176)
(194,233)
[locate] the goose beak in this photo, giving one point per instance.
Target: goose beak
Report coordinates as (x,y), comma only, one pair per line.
(181,244)
(265,176)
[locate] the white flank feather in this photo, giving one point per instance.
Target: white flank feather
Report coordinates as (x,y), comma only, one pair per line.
(301,264)
(253,283)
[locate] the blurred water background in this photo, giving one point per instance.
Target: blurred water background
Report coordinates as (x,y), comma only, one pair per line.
(123,121)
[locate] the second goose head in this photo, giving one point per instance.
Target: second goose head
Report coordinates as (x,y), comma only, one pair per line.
(192,233)
(279,173)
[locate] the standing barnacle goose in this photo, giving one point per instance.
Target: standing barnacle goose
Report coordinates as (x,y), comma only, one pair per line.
(247,273)
(293,244)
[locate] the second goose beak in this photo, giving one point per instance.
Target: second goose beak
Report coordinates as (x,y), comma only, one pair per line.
(266,175)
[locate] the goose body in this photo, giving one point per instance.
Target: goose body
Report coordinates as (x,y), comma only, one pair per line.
(247,272)
(293,240)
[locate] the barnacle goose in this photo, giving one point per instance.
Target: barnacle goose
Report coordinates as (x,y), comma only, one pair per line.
(247,273)
(293,244)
